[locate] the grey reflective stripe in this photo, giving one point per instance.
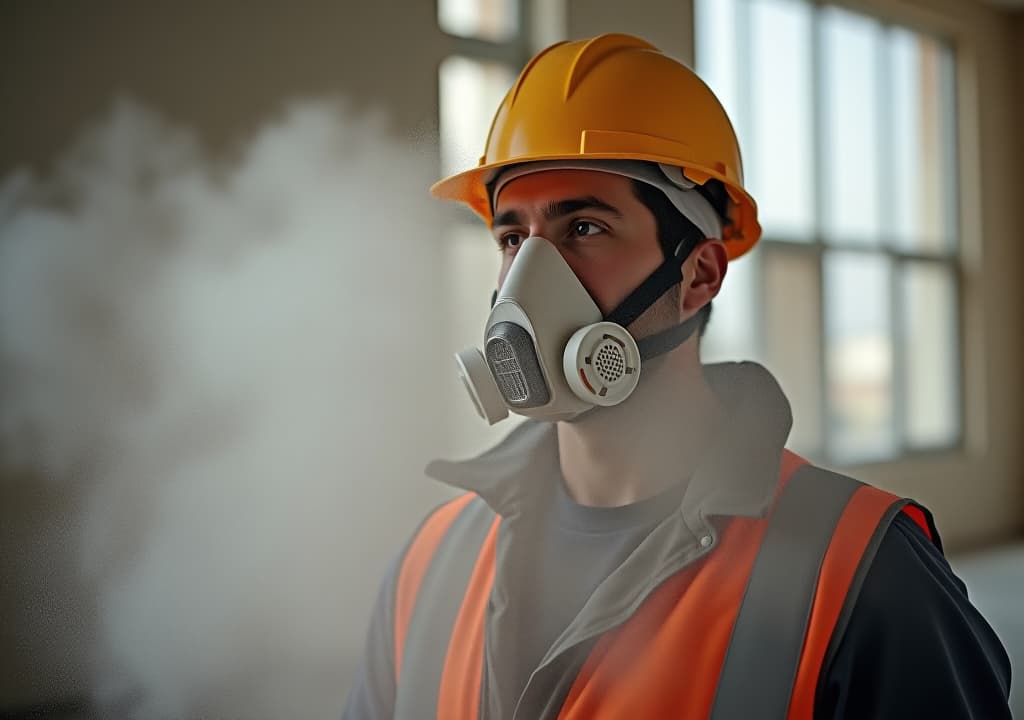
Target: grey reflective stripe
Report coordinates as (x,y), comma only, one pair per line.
(437,605)
(764,652)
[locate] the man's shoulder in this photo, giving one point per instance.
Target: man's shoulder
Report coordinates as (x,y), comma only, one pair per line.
(453,524)
(448,515)
(908,576)
(912,620)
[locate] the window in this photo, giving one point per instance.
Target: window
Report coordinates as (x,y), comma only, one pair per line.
(488,20)
(852,298)
(490,49)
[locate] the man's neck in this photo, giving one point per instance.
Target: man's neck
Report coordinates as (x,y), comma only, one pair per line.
(623,454)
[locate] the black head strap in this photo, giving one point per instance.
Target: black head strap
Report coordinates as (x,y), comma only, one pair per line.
(668,339)
(669,273)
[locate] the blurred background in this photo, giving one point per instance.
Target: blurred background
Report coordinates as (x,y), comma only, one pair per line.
(228,306)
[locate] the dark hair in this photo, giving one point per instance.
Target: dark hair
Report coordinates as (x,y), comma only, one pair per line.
(672,225)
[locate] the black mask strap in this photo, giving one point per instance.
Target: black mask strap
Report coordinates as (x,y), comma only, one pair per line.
(669,273)
(668,339)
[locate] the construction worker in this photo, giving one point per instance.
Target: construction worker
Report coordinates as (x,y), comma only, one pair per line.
(644,546)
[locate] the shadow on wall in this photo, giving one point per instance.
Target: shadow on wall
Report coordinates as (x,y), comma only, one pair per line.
(206,368)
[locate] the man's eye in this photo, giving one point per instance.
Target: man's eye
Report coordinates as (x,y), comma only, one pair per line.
(510,240)
(582,228)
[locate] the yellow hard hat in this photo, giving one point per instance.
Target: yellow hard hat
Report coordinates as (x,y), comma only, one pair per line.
(613,97)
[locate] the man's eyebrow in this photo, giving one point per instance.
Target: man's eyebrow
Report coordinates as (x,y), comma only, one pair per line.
(509,217)
(560,208)
(557,209)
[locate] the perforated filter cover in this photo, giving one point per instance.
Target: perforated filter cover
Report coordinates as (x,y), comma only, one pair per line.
(609,361)
(602,363)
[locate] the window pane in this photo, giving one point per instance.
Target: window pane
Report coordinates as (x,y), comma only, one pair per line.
(921,174)
(850,47)
(793,335)
(484,19)
(929,346)
(778,152)
(859,356)
(470,92)
(716,51)
(733,332)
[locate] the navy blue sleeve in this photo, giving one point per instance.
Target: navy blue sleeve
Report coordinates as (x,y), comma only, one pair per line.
(915,646)
(372,696)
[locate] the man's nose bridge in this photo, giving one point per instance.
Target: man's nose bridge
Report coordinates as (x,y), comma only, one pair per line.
(506,265)
(543,237)
(560,247)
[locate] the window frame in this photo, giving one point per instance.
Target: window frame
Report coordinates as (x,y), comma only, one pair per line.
(817,248)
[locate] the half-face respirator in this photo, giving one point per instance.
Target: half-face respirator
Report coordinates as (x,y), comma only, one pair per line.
(548,351)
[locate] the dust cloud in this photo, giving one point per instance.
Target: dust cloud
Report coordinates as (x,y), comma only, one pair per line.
(234,361)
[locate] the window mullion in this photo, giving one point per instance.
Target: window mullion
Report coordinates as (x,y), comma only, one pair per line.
(897,333)
(960,407)
(886,102)
(510,53)
(950,110)
(820,177)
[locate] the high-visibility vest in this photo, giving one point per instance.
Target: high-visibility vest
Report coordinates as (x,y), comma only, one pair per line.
(742,632)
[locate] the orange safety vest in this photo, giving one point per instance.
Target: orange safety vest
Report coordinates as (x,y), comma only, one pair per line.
(700,645)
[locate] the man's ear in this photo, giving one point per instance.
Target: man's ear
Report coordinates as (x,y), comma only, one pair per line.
(703,273)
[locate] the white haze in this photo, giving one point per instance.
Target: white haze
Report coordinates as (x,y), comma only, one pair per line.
(235,362)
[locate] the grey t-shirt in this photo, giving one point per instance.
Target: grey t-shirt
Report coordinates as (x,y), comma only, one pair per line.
(574,548)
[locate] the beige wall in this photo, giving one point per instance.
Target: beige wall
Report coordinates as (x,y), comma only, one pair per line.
(218,66)
(223,66)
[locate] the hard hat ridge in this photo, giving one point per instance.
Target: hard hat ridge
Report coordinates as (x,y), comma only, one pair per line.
(595,51)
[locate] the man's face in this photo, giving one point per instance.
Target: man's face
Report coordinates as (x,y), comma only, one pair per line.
(604,233)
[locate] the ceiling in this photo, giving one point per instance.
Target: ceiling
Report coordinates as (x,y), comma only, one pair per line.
(1007,4)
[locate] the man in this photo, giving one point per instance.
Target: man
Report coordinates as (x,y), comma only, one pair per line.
(645,547)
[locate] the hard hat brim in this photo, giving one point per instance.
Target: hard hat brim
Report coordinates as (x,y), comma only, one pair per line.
(470,187)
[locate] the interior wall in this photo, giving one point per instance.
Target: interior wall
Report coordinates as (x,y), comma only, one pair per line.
(221,67)
(1019,73)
